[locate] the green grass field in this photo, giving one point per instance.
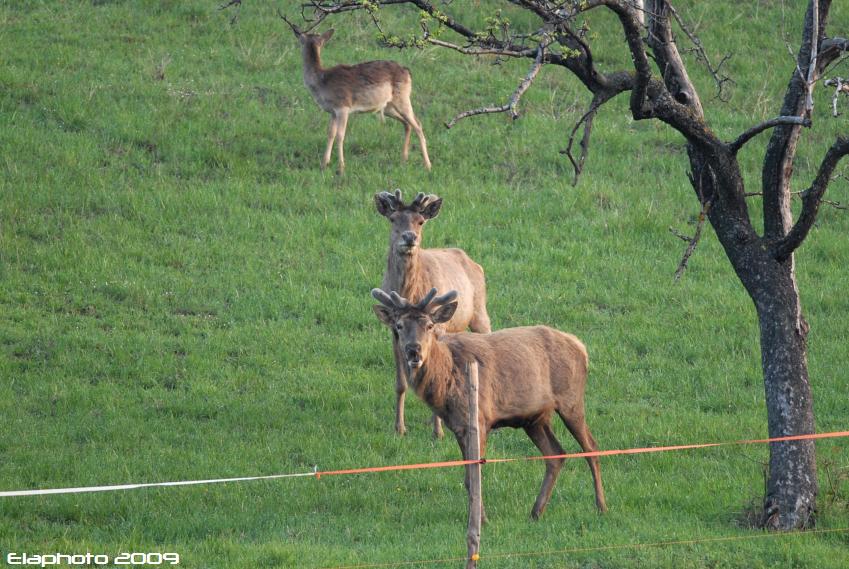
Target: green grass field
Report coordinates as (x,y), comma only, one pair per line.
(185,295)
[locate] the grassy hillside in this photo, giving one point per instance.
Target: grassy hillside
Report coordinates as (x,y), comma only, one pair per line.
(185,295)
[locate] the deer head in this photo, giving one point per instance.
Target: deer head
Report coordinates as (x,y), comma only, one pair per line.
(414,323)
(407,220)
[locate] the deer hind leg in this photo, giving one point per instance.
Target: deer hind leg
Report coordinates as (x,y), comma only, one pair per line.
(405,150)
(400,387)
(438,433)
(543,437)
(342,120)
(331,136)
(406,111)
(577,425)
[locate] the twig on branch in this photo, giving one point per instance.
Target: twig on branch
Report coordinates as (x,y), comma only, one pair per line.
(692,242)
(795,195)
(237,4)
(701,54)
(339,7)
(680,235)
(587,121)
(336,7)
(511,104)
(834,204)
(479,50)
(757,129)
(840,86)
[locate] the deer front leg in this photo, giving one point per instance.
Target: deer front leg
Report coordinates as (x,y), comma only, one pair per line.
(400,386)
(331,136)
(342,119)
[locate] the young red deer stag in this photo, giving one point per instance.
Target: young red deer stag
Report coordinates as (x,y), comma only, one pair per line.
(412,271)
(370,87)
(526,374)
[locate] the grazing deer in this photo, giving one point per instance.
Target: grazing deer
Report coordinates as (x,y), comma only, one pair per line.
(412,271)
(370,87)
(526,374)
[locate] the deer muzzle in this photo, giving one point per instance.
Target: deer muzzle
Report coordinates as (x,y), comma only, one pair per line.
(407,242)
(413,352)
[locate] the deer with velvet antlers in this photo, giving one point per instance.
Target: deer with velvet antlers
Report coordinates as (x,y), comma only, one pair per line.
(526,375)
(370,87)
(412,271)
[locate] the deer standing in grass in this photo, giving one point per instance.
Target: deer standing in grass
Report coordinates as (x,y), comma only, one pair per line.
(412,271)
(526,375)
(370,87)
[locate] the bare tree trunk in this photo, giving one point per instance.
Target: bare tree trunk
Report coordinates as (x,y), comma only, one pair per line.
(790,501)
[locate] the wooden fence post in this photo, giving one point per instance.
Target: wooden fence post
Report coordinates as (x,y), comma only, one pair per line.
(473,536)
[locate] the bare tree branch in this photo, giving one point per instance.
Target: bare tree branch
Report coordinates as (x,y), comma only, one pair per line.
(781,149)
(479,51)
(738,143)
(840,86)
(831,49)
(587,121)
(812,65)
(541,9)
(514,98)
(631,27)
(338,6)
(811,200)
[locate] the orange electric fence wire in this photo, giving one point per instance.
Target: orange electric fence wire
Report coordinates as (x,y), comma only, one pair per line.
(642,450)
(566,551)
(318,474)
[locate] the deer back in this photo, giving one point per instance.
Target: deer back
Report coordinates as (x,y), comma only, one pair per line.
(443,269)
(366,87)
(525,373)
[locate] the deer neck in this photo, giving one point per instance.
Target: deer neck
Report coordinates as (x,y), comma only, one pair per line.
(312,64)
(404,275)
(435,382)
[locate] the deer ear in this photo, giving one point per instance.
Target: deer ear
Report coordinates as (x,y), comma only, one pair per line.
(432,208)
(327,35)
(383,314)
(443,313)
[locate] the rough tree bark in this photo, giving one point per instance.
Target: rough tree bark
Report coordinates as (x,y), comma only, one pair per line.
(763,263)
